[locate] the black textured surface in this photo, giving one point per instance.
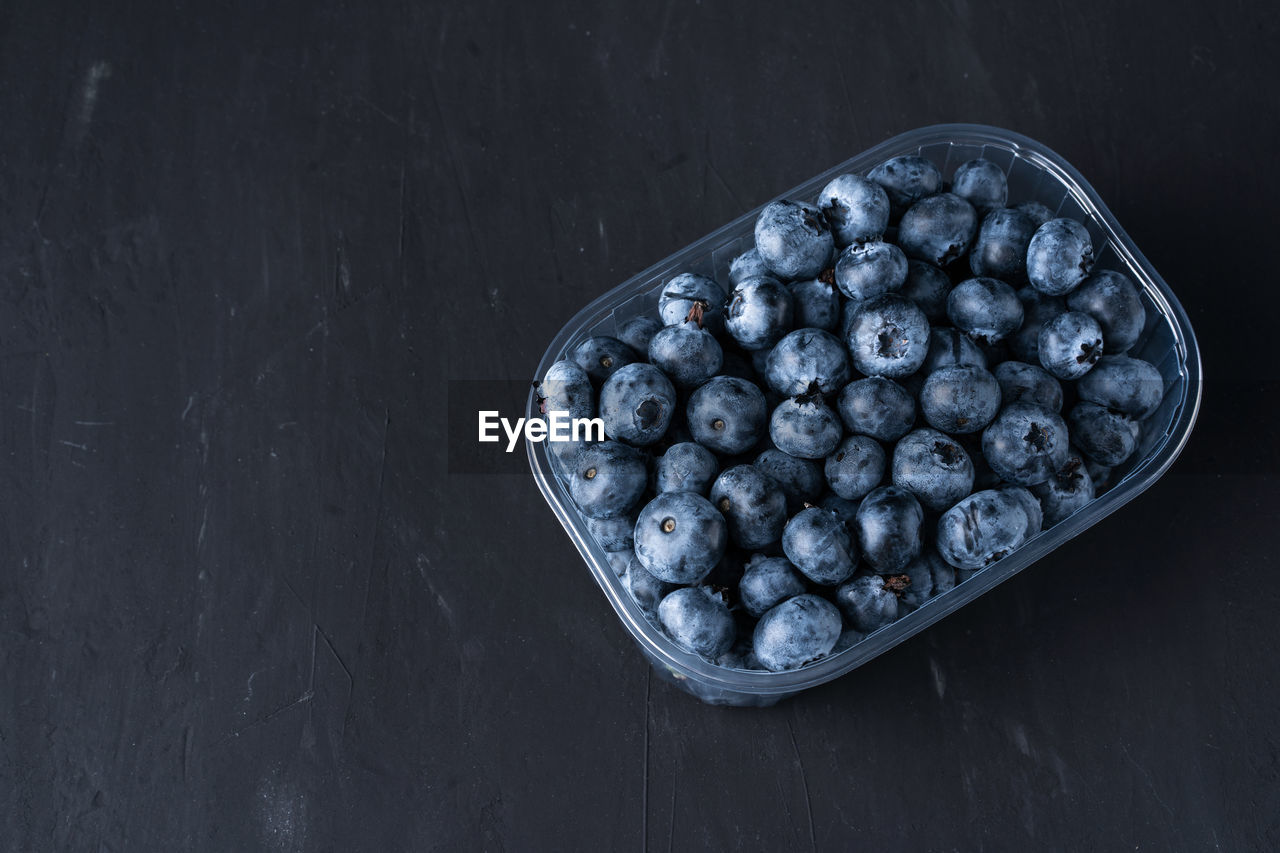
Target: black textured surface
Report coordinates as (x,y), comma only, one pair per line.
(244,607)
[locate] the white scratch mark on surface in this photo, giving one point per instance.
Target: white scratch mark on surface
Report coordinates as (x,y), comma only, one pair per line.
(94,423)
(191,399)
(93,78)
(73,444)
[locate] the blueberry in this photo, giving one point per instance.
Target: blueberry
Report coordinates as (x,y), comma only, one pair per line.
(613,534)
(686,467)
(857,209)
(805,427)
(864,270)
(1070,345)
(1037,308)
(687,353)
(960,398)
(607,479)
(888,336)
(849,638)
(981,529)
(1025,444)
(759,313)
(727,415)
(817,543)
(1098,473)
(933,467)
(1059,256)
(1130,386)
(949,347)
(601,356)
(1000,249)
(1066,491)
(1110,298)
(906,180)
(846,510)
(686,290)
(815,304)
(878,407)
(1038,212)
(927,286)
(938,229)
(986,309)
(981,183)
(752,503)
(793,239)
(798,630)
(870,602)
(747,265)
(930,576)
(767,582)
(800,479)
(805,358)
(1031,383)
(697,620)
(638,331)
(647,590)
(567,388)
(1106,437)
(856,467)
(636,404)
(888,526)
(680,537)
(1030,505)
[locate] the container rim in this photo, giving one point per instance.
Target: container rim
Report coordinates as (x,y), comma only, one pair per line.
(684,665)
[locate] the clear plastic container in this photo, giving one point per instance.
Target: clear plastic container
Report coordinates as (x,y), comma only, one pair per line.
(1034,173)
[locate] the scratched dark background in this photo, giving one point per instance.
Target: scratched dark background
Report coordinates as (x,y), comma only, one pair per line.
(243,606)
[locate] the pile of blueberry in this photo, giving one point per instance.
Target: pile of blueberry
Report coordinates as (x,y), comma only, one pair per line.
(873,414)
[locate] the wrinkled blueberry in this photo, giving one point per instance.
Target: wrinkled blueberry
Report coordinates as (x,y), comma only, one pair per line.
(601,356)
(793,239)
(1031,383)
(613,534)
(1059,256)
(636,404)
(960,398)
(697,620)
(933,467)
(888,526)
(806,358)
(687,353)
(1066,491)
(805,426)
(981,529)
(981,183)
(686,290)
(798,630)
(888,336)
(1036,309)
(985,309)
(878,407)
(1106,437)
(607,479)
(801,479)
(856,208)
(752,503)
(1030,507)
(1000,249)
(680,537)
(927,286)
(1110,298)
(906,180)
(949,347)
(869,269)
(638,331)
(856,467)
(727,415)
(938,229)
(759,313)
(817,543)
(686,467)
(1025,444)
(1130,386)
(815,304)
(870,602)
(930,576)
(767,582)
(1070,344)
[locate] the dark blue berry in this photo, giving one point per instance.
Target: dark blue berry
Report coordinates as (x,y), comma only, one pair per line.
(1059,256)
(680,537)
(878,407)
(607,479)
(799,630)
(752,503)
(817,543)
(960,398)
(888,525)
(759,313)
(1025,444)
(793,239)
(856,208)
(636,404)
(1070,344)
(864,270)
(727,414)
(938,229)
(906,180)
(1110,298)
(986,309)
(933,467)
(1130,386)
(856,467)
(697,620)
(686,467)
(888,336)
(767,582)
